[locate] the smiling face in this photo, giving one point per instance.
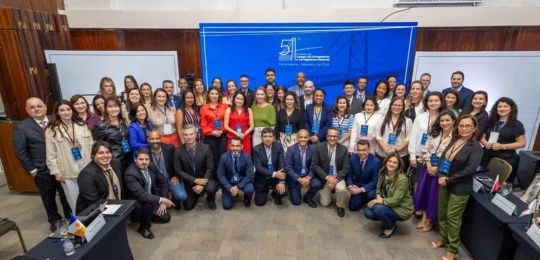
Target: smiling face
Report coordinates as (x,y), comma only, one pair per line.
(142,161)
(466,128)
(397,107)
(189,136)
(169,88)
(289,101)
(302,137)
(342,104)
(213,95)
(401,90)
(270,77)
(479,101)
(503,109)
(268,139)
(362,83)
(300,78)
(129,84)
(64,112)
(392,83)
(146,91)
(456,80)
(450,100)
(161,98)
(446,122)
(281,94)
(270,91)
(112,109)
(239,100)
(80,106)
(434,103)
(231,88)
(363,150)
(392,164)
(308,88)
(416,90)
(189,99)
(100,105)
(134,96)
(318,97)
(108,89)
(332,136)
(260,96)
(141,114)
(369,106)
(236,147)
(348,90)
(381,90)
(103,157)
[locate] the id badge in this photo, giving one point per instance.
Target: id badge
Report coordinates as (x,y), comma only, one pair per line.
(364,130)
(434,160)
(392,139)
(303,172)
(493,137)
(196,129)
(270,167)
(167,129)
(424,139)
(76,152)
(125,146)
(445,166)
(217,124)
(331,170)
(238,128)
(115,190)
(315,128)
(288,129)
(342,133)
(235,179)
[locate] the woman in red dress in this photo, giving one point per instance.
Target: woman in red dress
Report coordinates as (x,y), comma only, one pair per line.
(239,121)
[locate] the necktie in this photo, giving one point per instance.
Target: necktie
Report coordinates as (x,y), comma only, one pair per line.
(148,180)
(43,124)
(235,164)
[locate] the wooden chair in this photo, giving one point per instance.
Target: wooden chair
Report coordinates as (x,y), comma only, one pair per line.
(7,225)
(499,167)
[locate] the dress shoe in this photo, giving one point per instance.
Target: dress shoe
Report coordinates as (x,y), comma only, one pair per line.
(212,205)
(178,205)
(277,199)
(52,226)
(310,203)
(340,212)
(146,233)
(247,202)
(383,235)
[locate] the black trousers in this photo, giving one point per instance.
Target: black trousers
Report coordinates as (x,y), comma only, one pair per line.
(262,186)
(145,214)
(218,145)
(210,189)
(48,186)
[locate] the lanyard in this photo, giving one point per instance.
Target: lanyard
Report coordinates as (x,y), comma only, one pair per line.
(366,120)
(269,155)
(164,113)
(74,139)
(340,123)
(453,148)
(330,154)
(239,116)
(440,141)
(303,156)
(317,116)
(288,116)
(499,125)
(157,159)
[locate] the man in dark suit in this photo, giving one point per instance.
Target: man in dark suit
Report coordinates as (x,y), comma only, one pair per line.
(465,94)
(330,162)
(175,101)
(100,179)
(235,173)
(269,161)
(306,99)
(29,145)
(355,105)
(244,87)
(143,180)
(162,156)
(298,170)
(361,92)
(363,176)
(193,162)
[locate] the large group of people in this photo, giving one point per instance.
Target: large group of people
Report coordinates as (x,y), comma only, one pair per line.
(399,151)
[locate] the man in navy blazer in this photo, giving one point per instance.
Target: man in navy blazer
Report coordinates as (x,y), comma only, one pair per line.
(465,94)
(269,160)
(143,181)
(29,146)
(174,100)
(363,176)
(298,170)
(235,173)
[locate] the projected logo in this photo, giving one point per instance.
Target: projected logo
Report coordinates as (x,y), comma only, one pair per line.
(290,55)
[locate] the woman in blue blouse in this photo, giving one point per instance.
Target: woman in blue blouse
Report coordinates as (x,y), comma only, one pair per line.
(318,117)
(139,127)
(343,120)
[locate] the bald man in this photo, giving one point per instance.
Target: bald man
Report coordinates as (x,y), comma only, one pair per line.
(299,87)
(29,145)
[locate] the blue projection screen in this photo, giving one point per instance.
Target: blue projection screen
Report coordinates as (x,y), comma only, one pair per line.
(329,53)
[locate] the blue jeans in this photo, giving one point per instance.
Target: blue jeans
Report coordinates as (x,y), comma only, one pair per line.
(383,213)
(228,200)
(178,191)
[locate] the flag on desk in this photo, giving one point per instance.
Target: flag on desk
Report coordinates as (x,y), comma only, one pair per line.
(530,209)
(75,226)
(495,186)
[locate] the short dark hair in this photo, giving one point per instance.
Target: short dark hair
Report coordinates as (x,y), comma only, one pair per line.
(362,77)
(348,82)
(391,76)
(236,138)
(96,145)
(244,76)
(267,130)
(363,142)
(270,69)
(142,150)
(459,72)
(425,74)
(167,81)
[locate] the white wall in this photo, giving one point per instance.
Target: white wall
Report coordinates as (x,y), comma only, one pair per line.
(189,13)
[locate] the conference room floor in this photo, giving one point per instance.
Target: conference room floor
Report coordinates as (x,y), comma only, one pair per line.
(284,232)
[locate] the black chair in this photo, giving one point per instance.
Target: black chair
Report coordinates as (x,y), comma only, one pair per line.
(7,225)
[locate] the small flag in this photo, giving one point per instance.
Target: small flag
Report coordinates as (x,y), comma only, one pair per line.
(495,186)
(75,226)
(530,209)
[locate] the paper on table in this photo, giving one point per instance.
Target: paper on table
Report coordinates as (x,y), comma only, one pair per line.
(110,209)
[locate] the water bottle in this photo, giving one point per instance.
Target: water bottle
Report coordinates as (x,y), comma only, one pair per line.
(69,248)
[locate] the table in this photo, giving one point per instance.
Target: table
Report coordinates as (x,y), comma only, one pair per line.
(526,248)
(485,230)
(109,243)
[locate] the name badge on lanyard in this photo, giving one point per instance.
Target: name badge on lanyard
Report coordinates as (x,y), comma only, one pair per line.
(445,166)
(331,170)
(76,152)
(217,124)
(315,128)
(493,137)
(167,129)
(238,128)
(434,160)
(424,139)
(125,146)
(364,130)
(288,129)
(392,139)
(270,167)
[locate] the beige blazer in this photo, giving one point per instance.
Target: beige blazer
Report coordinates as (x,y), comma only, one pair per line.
(58,149)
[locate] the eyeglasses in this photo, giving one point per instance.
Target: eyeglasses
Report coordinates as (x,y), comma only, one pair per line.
(466,126)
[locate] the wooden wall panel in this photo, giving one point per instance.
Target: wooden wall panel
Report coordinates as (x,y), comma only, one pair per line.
(94,40)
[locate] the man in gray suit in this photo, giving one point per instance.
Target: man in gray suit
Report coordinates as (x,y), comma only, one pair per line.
(29,145)
(330,162)
(354,103)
